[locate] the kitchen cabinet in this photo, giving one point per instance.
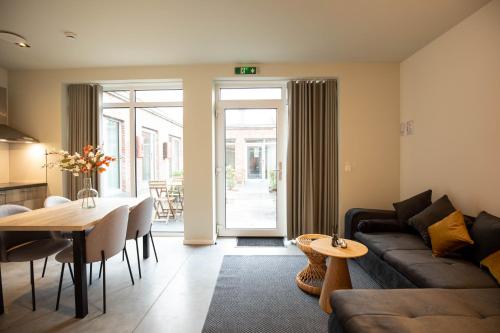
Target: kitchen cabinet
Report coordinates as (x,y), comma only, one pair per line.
(24,194)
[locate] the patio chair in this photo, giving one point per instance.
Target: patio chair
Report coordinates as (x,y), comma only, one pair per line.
(163,200)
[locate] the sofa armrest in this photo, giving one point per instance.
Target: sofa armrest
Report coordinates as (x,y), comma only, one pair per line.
(380,225)
(355,215)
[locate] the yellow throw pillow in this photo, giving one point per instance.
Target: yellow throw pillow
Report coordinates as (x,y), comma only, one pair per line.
(492,262)
(449,234)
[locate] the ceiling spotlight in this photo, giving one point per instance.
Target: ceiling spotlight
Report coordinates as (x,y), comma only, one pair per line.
(70,35)
(13,38)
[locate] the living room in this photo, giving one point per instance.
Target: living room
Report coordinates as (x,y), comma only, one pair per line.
(257,122)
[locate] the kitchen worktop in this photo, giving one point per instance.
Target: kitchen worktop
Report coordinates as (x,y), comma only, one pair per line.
(18,185)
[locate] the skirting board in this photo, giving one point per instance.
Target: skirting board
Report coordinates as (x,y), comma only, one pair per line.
(199,242)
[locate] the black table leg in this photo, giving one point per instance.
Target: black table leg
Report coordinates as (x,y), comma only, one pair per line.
(145,246)
(2,310)
(79,256)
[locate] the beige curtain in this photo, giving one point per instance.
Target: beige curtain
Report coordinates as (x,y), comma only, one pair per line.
(312,165)
(84,103)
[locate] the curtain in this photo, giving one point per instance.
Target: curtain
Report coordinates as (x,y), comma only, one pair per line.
(84,103)
(312,166)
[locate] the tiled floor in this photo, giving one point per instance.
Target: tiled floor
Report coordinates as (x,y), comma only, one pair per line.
(173,295)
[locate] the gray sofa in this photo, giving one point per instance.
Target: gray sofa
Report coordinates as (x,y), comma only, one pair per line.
(399,259)
(416,311)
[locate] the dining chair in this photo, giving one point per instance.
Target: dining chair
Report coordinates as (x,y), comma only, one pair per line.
(139,225)
(104,241)
(24,246)
(52,201)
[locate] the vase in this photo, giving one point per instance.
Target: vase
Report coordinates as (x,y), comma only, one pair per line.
(87,194)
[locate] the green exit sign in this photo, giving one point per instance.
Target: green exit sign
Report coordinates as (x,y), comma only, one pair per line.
(247,70)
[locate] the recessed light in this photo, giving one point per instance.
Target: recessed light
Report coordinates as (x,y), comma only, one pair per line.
(13,38)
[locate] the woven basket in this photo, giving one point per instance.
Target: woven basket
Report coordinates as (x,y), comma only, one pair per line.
(310,279)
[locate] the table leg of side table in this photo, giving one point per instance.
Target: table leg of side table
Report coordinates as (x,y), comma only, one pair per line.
(337,277)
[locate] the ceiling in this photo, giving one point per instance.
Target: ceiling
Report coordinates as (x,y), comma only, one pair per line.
(154,32)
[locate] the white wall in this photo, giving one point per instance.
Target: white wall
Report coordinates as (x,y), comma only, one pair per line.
(4,147)
(451,89)
(369,127)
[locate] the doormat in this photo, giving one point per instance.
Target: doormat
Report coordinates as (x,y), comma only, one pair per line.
(260,241)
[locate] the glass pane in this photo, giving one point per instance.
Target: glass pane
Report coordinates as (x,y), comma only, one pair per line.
(159,146)
(116,96)
(232,94)
(171,95)
(250,168)
(116,181)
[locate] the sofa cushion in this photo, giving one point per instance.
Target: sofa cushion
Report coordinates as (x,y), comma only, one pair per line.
(412,206)
(432,214)
(381,242)
(485,233)
(427,271)
(421,310)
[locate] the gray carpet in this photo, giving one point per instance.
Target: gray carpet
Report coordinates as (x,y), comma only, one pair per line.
(259,294)
(260,241)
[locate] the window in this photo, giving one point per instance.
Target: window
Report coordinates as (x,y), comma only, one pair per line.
(149,120)
(112,133)
(233,94)
(116,96)
(171,95)
(149,154)
(176,158)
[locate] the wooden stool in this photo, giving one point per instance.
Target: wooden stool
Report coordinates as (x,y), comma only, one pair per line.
(310,279)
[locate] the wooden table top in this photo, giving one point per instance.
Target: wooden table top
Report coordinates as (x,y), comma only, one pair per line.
(353,250)
(65,217)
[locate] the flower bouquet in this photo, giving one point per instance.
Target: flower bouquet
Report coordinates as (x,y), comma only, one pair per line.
(90,161)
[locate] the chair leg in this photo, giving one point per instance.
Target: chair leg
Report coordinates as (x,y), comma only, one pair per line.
(60,286)
(44,266)
(138,257)
(128,264)
(71,273)
(90,275)
(103,261)
(123,254)
(100,270)
(32,276)
(153,243)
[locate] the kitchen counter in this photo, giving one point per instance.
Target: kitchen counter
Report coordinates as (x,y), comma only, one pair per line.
(18,185)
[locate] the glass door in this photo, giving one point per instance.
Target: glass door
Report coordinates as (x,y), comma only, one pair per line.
(250,151)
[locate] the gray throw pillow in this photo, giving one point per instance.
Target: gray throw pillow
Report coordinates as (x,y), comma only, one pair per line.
(432,214)
(485,233)
(412,206)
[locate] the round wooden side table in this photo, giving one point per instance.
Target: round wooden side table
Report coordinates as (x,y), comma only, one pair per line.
(311,277)
(337,274)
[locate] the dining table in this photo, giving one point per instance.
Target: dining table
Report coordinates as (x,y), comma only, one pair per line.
(72,218)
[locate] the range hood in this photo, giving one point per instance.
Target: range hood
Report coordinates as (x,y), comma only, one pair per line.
(10,135)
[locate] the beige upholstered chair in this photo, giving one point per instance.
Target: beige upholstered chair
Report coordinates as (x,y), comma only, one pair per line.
(139,225)
(23,246)
(104,241)
(52,201)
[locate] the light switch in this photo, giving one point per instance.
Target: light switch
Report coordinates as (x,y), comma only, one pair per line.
(402,129)
(410,127)
(348,167)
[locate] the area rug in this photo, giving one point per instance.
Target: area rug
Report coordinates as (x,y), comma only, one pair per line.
(260,241)
(258,294)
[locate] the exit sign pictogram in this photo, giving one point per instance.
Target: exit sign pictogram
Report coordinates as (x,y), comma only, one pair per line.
(246,70)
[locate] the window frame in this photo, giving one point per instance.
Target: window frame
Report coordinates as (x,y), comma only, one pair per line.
(132,105)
